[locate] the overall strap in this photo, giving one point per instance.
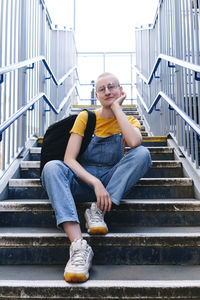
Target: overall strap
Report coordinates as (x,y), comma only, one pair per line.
(89,130)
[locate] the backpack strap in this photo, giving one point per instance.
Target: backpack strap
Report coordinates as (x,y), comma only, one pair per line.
(89,130)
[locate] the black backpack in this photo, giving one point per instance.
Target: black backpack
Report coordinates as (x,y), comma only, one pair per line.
(57,135)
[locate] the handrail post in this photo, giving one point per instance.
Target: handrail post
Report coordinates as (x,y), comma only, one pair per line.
(22,89)
(178,89)
(42,115)
(159,110)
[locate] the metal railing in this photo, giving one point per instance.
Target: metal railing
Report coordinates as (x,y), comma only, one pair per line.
(119,63)
(33,54)
(168,68)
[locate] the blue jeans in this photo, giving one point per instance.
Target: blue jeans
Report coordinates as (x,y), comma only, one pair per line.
(104,159)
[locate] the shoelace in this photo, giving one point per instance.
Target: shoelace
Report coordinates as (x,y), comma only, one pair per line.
(78,257)
(96,216)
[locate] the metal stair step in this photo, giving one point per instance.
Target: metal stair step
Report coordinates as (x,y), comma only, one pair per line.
(151,212)
(145,188)
(143,245)
(161,168)
(37,150)
(135,114)
(44,205)
(152,141)
(127,111)
(159,153)
(125,236)
(111,282)
(92,107)
(29,182)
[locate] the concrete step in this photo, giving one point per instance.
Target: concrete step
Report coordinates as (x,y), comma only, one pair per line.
(111,282)
(148,141)
(157,153)
(127,111)
(132,112)
(138,212)
(144,189)
(135,114)
(135,245)
(154,141)
(78,108)
(31,169)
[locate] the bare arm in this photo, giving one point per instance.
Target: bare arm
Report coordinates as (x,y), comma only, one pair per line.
(131,134)
(70,158)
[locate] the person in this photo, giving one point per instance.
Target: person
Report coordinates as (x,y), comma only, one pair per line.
(93,99)
(101,175)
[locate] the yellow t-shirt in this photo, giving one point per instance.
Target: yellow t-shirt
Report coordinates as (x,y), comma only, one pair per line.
(104,127)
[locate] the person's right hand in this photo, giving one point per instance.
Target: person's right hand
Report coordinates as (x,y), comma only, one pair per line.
(104,202)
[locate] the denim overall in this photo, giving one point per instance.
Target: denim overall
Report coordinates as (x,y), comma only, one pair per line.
(104,159)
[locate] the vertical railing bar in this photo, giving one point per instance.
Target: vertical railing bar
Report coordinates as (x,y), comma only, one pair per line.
(169,83)
(172,49)
(181,75)
(33,73)
(170,72)
(193,112)
(25,48)
(7,81)
(37,65)
(32,70)
(186,148)
(173,54)
(17,28)
(3,21)
(197,95)
(35,70)
(28,72)
(19,92)
(167,71)
(13,74)
(189,73)
(1,62)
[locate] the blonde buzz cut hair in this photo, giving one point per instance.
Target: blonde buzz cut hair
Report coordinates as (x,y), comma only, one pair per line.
(106,74)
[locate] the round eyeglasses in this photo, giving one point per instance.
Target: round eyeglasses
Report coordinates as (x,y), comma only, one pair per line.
(110,87)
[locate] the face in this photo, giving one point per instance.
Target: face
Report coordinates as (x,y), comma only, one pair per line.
(108,90)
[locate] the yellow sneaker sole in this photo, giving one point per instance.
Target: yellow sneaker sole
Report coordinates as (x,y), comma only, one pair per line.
(73,277)
(98,230)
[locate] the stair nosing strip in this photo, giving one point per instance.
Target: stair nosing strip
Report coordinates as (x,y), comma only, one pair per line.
(155,164)
(134,284)
(134,206)
(174,181)
(110,240)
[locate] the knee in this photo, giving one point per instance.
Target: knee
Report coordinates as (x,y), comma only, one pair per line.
(142,154)
(52,168)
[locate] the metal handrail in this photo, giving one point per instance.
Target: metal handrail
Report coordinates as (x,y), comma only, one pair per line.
(175,61)
(28,62)
(182,114)
(23,109)
(170,59)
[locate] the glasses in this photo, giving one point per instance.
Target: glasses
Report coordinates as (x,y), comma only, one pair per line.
(110,87)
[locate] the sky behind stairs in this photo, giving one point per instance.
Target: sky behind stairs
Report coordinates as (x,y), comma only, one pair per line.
(103,25)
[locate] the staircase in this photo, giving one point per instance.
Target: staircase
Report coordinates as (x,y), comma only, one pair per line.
(151,250)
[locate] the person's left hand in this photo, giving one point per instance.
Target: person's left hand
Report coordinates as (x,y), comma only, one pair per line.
(119,100)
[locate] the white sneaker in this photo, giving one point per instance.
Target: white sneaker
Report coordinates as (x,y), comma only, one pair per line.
(77,268)
(95,220)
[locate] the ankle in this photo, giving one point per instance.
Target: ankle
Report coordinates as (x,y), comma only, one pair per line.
(72,230)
